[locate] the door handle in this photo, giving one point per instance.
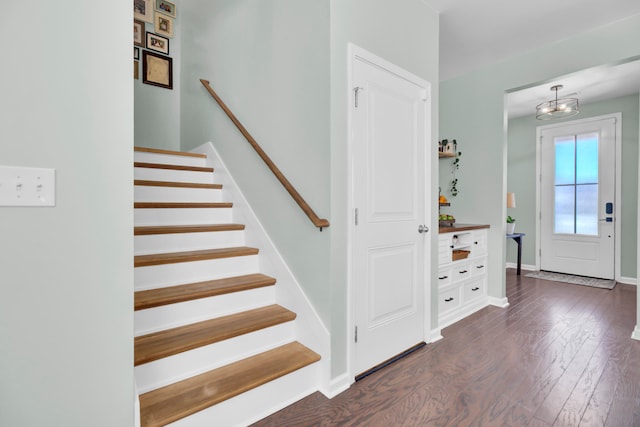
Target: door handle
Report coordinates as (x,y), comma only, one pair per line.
(423,229)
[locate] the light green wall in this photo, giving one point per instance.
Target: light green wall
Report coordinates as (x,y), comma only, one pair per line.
(156,109)
(472,110)
(66,272)
(269,62)
(404,32)
(521,168)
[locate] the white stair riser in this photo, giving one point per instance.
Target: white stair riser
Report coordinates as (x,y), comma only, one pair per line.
(174,368)
(178,242)
(152,174)
(182,216)
(174,315)
(168,159)
(146,193)
(263,401)
(158,276)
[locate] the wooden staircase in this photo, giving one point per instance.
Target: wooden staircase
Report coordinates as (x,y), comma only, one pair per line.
(207,324)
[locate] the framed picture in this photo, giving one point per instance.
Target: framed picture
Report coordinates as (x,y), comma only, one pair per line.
(157,70)
(164,25)
(143,10)
(158,43)
(138,32)
(135,70)
(166,7)
(136,53)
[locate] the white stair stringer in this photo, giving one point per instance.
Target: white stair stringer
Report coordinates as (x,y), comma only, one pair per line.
(310,330)
(167,370)
(151,174)
(161,243)
(178,314)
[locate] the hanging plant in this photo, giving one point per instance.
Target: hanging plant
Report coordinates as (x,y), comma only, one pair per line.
(455,165)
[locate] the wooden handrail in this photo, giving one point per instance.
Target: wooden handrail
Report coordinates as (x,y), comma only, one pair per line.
(318,222)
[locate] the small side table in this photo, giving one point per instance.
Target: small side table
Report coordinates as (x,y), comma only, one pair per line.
(518,238)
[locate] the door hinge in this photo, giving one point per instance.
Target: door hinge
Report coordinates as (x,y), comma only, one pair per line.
(356,91)
(355,216)
(356,334)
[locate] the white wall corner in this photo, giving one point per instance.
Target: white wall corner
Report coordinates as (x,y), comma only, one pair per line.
(628,280)
(499,302)
(524,267)
(636,333)
(310,330)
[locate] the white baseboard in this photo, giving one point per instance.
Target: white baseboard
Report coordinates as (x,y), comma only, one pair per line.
(499,302)
(337,386)
(628,281)
(526,267)
(636,333)
(435,335)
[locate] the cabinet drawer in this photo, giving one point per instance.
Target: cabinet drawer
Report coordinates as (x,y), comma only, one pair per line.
(444,251)
(444,277)
(449,300)
(472,290)
(479,268)
(461,272)
(479,246)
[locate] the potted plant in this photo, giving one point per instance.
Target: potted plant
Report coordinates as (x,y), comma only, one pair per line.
(511,224)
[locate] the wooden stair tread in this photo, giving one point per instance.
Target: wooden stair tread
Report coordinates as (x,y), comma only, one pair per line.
(174,294)
(166,343)
(171,167)
(178,205)
(189,256)
(148,183)
(171,152)
(173,402)
(176,229)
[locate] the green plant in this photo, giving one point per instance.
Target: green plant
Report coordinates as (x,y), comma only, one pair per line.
(455,165)
(510,220)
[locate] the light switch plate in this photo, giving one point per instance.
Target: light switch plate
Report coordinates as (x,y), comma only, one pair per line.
(25,186)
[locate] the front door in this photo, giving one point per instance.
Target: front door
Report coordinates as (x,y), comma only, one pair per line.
(389,123)
(577,198)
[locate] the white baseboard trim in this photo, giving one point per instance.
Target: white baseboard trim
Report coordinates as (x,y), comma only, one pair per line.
(337,386)
(526,267)
(499,302)
(435,335)
(628,281)
(636,333)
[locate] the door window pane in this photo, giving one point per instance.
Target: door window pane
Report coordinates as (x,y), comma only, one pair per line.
(587,209)
(587,159)
(565,160)
(564,209)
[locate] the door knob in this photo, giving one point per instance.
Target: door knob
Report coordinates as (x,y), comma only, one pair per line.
(423,229)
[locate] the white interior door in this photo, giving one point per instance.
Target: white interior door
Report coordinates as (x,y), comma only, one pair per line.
(389,136)
(577,198)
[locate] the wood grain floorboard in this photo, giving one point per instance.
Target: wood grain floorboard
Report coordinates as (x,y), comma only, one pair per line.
(560,355)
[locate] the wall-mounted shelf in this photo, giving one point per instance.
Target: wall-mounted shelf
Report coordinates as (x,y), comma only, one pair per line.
(445,204)
(442,155)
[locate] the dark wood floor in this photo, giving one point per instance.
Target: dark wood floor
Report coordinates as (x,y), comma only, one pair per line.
(559,355)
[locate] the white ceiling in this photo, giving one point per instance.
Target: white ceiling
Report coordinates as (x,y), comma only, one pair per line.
(476,33)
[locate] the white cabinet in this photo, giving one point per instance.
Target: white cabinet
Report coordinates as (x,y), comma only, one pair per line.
(462,274)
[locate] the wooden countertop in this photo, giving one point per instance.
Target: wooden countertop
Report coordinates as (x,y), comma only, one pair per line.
(462,227)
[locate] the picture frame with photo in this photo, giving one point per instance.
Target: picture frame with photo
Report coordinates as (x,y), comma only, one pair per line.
(138,32)
(157,70)
(135,70)
(166,7)
(157,43)
(143,10)
(136,53)
(163,25)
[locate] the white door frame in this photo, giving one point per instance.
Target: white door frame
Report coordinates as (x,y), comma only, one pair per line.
(354,53)
(618,180)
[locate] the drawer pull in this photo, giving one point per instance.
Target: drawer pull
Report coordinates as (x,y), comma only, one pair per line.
(475,243)
(463,271)
(475,289)
(480,266)
(443,277)
(451,246)
(448,299)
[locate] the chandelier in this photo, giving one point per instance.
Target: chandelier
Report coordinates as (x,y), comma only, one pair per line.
(558,108)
